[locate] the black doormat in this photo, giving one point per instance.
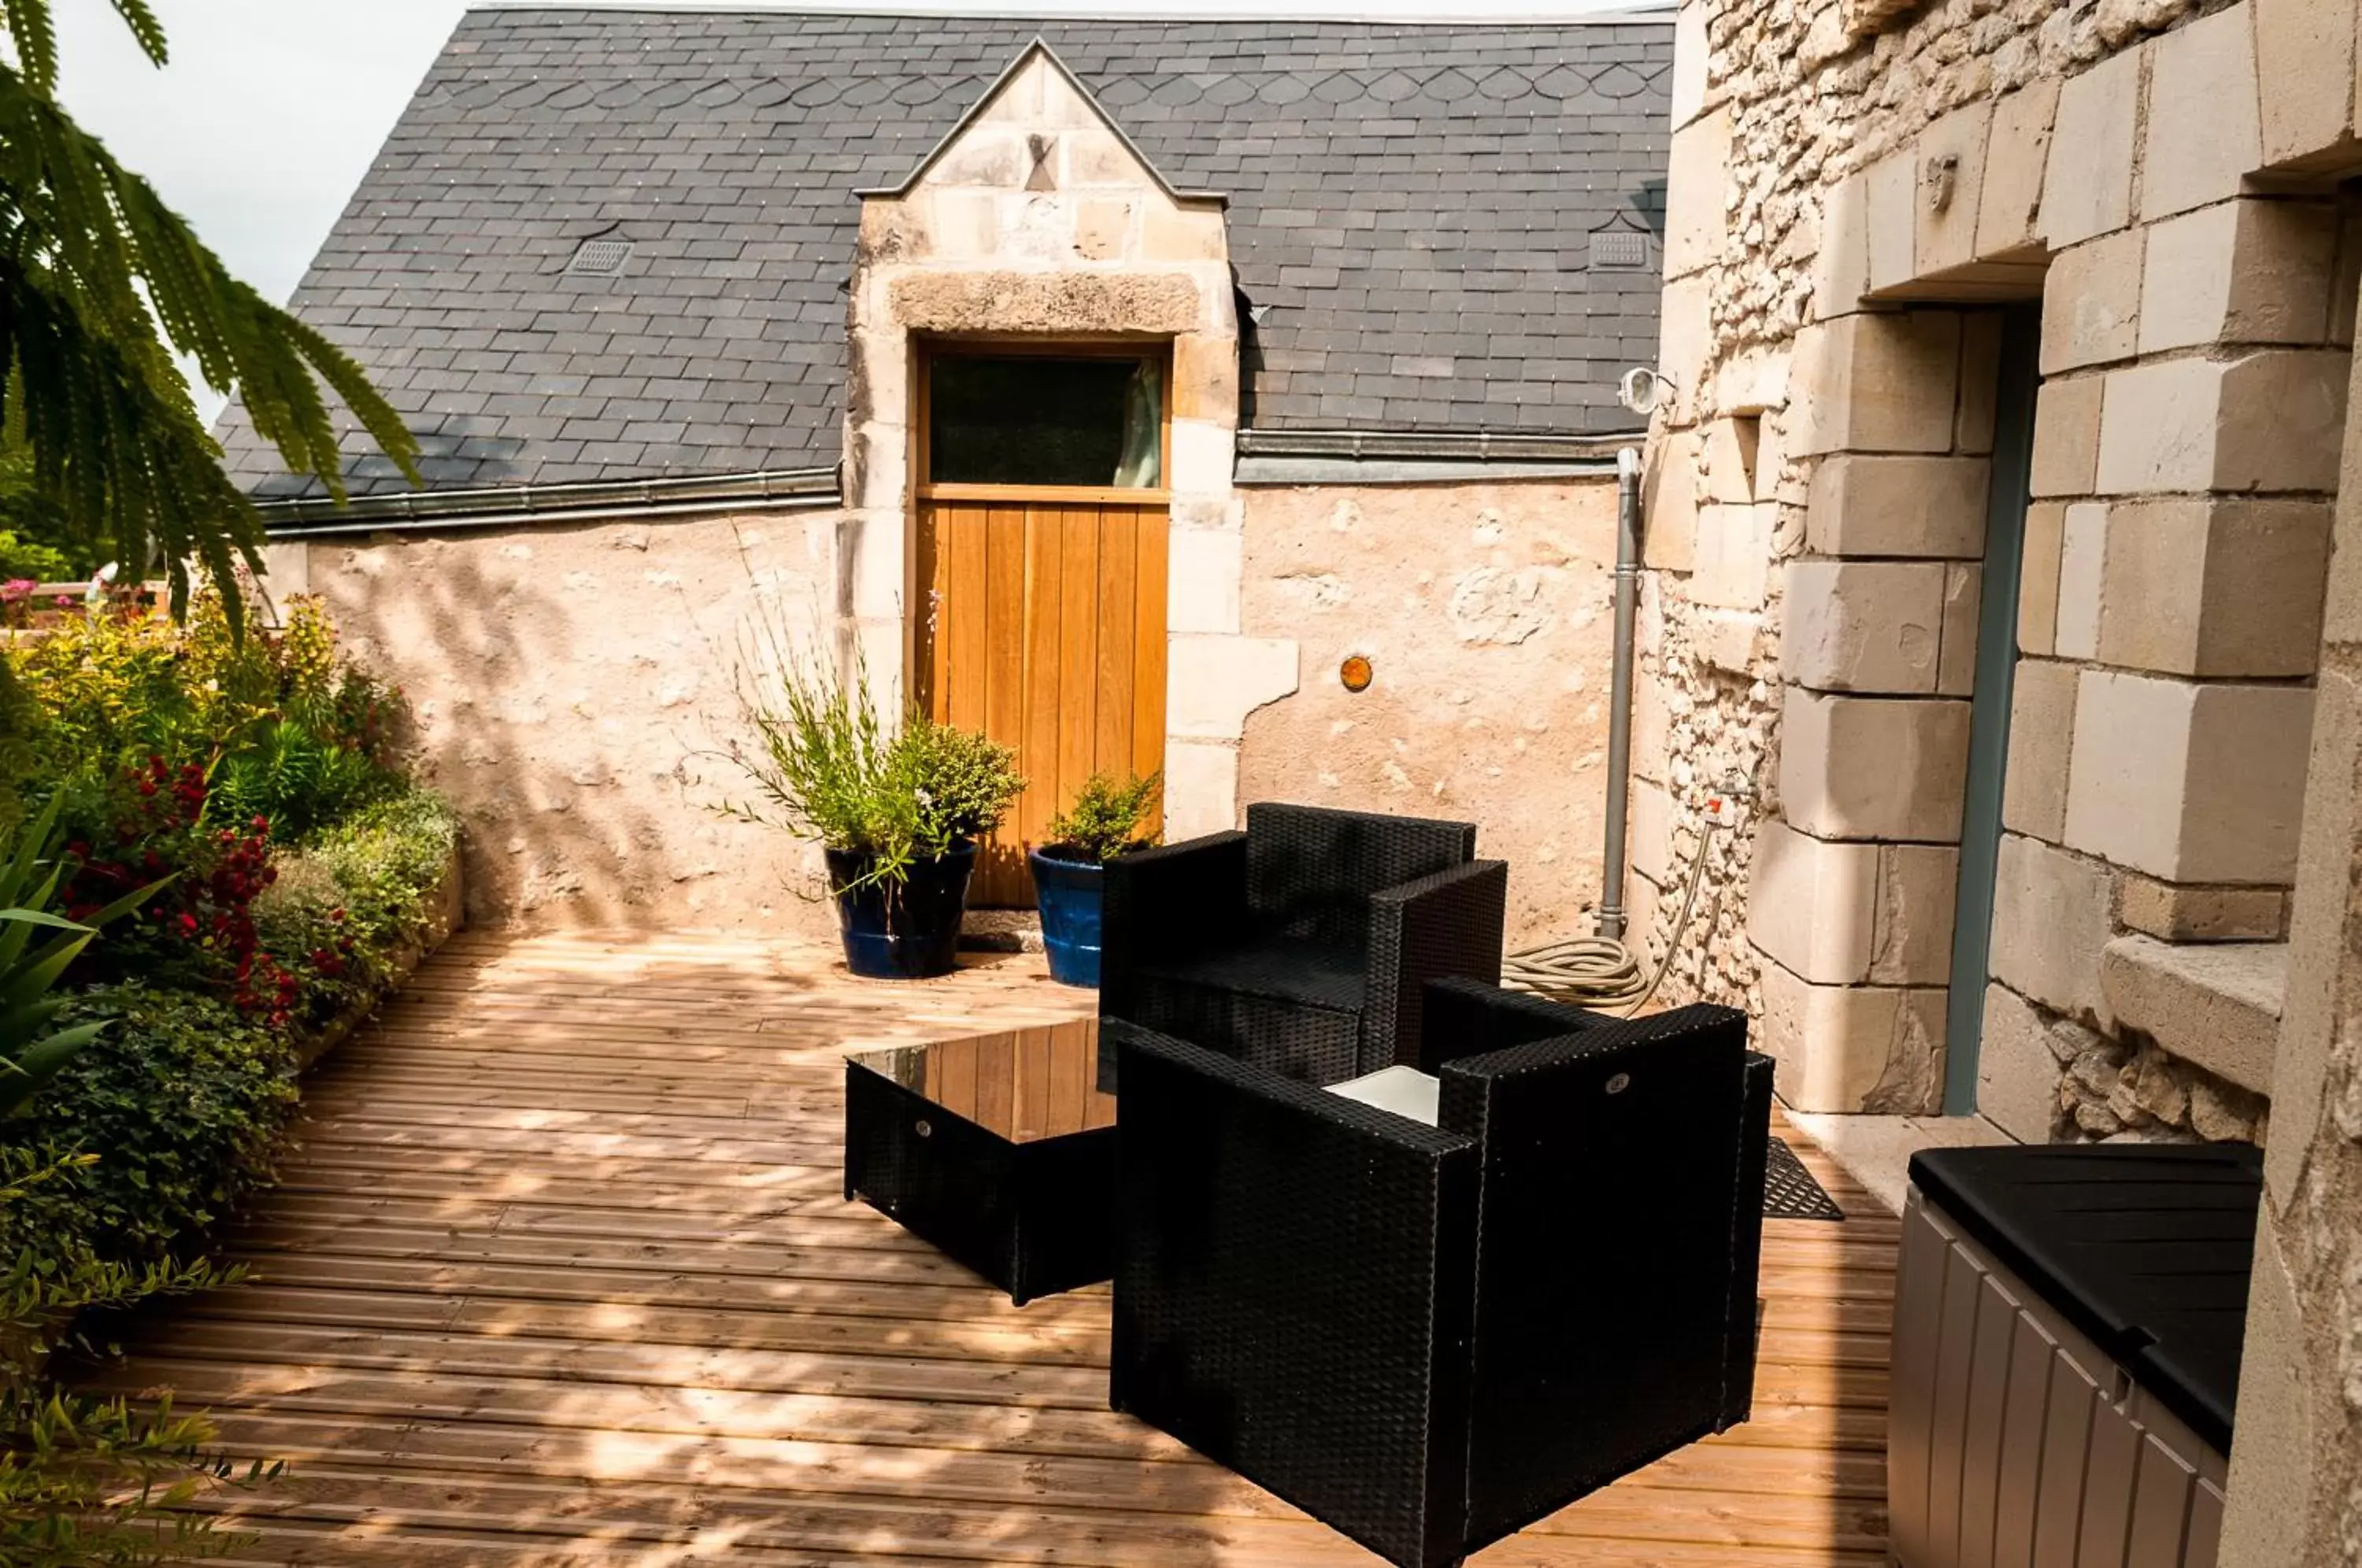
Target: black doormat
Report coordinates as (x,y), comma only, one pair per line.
(1789,1191)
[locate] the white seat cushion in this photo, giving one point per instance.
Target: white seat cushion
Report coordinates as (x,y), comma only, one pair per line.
(1406,1091)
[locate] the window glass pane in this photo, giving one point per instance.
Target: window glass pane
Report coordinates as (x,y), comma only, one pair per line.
(1037,420)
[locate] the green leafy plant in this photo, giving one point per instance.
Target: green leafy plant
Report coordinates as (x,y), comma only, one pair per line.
(1107,817)
(32,1049)
(186,1100)
(296,779)
(101,286)
(347,906)
(85,1482)
(824,768)
(27,561)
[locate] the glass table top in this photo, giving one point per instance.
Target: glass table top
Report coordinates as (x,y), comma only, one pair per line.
(1025,1083)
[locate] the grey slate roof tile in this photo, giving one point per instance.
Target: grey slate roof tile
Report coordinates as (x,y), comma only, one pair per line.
(1413,202)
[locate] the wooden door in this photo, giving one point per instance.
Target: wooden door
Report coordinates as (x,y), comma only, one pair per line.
(1042,624)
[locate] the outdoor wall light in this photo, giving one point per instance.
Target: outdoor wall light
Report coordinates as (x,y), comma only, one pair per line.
(1355,673)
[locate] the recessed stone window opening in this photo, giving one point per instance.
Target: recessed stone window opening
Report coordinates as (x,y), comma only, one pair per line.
(1854,885)
(599,257)
(1046,419)
(1746,437)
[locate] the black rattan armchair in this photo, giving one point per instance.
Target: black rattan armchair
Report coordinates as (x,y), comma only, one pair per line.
(1303,944)
(1428,1337)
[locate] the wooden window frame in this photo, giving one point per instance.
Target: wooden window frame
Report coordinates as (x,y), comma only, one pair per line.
(1158,350)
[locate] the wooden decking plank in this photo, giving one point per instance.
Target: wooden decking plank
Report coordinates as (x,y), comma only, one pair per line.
(562,1272)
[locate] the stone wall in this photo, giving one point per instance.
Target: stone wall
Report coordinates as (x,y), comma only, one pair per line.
(1485,612)
(1851,182)
(571,690)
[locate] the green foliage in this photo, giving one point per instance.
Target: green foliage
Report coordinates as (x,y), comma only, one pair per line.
(296,779)
(824,768)
(90,1482)
(184,1099)
(20,720)
(1107,817)
(188,1100)
(101,284)
(36,944)
(25,560)
(277,725)
(38,544)
(962,784)
(347,904)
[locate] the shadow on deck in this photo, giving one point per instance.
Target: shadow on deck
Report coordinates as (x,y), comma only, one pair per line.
(562,1274)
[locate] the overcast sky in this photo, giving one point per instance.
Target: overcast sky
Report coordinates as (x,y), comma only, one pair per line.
(270,110)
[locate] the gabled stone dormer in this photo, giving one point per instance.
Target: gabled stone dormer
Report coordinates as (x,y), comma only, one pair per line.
(1037,218)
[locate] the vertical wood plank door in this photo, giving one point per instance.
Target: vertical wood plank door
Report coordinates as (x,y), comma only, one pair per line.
(1042,624)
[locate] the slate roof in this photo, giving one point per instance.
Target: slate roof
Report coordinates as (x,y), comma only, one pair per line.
(1414,204)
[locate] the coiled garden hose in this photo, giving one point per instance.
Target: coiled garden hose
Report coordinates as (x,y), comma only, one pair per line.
(1599,971)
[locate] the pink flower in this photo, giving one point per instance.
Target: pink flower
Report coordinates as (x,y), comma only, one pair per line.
(16,587)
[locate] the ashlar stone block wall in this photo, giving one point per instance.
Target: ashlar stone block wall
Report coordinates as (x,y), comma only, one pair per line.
(1853,187)
(2295,1493)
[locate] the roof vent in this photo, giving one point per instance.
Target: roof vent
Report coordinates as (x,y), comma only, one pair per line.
(599,258)
(1620,249)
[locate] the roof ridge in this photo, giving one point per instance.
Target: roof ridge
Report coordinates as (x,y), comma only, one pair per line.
(1660,12)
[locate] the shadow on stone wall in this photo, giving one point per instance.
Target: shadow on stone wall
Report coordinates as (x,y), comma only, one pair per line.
(570,689)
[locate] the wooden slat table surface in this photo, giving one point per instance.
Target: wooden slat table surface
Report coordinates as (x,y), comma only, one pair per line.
(561,1274)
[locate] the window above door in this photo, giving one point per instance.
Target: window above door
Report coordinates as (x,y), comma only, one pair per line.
(1068,418)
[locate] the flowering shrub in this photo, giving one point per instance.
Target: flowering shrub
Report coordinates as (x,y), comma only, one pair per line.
(194,752)
(344,908)
(218,767)
(199,929)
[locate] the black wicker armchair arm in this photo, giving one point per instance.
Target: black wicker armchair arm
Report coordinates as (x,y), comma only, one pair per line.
(1166,901)
(1292,1291)
(1468,1018)
(1438,926)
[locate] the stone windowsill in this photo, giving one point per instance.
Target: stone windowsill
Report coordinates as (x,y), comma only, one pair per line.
(2215,1005)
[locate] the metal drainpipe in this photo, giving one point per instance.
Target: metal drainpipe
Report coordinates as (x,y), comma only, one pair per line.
(1619,701)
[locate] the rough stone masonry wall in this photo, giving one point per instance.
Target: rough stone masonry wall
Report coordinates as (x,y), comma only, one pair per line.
(572,690)
(1487,614)
(1834,164)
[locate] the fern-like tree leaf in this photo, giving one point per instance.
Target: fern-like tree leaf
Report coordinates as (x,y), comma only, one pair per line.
(35,34)
(146,31)
(101,285)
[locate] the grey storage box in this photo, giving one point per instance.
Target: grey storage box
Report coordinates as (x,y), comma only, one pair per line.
(2066,1331)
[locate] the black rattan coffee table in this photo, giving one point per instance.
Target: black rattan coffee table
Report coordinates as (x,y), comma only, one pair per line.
(998,1149)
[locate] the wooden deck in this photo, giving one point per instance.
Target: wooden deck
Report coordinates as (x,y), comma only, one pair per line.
(562,1274)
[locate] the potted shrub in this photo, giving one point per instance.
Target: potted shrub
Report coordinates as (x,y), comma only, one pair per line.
(1068,872)
(896,816)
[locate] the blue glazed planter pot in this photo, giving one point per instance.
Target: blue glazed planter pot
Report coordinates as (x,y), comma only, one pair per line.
(907,931)
(1068,894)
